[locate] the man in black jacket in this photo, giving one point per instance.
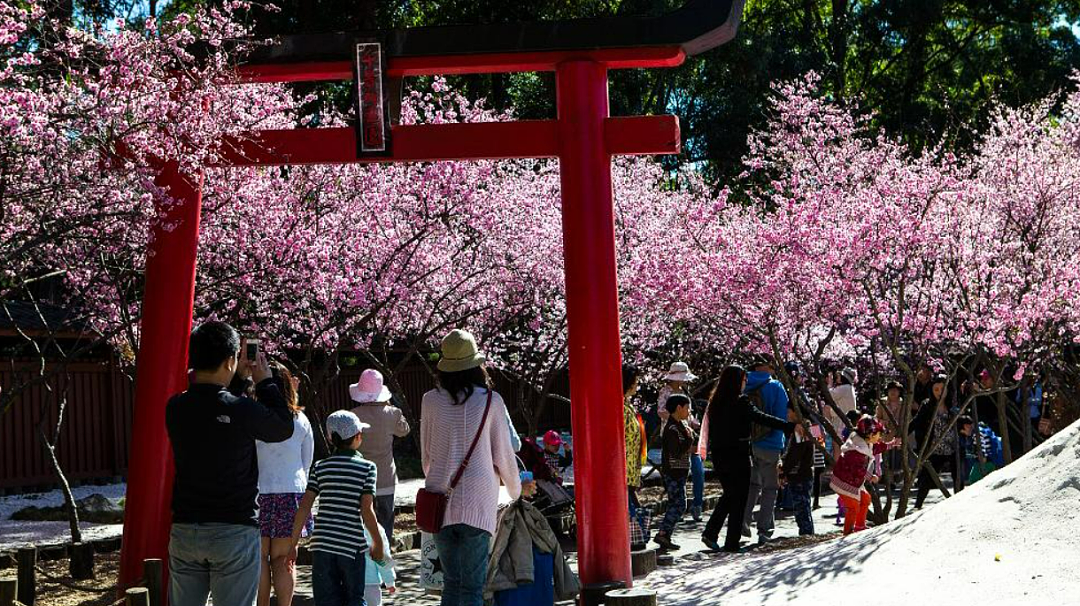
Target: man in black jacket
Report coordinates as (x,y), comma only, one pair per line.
(730,415)
(214,542)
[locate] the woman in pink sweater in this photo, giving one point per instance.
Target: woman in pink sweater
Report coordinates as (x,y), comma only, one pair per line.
(450,418)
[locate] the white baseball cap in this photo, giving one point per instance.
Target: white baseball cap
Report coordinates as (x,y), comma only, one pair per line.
(345,424)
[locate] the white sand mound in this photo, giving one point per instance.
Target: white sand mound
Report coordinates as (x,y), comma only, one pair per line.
(1013,538)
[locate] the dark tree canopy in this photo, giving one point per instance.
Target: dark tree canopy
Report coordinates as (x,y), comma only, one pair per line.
(929,69)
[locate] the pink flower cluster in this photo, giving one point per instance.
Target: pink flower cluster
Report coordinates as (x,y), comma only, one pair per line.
(836,238)
(850,238)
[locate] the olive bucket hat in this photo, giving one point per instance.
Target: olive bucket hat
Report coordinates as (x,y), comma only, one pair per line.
(459,352)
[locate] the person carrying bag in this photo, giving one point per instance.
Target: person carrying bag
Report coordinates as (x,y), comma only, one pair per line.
(431,505)
(464,459)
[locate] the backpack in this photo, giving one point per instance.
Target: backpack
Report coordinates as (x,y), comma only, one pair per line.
(758,431)
(995,452)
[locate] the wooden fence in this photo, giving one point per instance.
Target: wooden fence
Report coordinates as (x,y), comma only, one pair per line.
(93,443)
(96,433)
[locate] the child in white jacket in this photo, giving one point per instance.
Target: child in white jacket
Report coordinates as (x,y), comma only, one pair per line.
(378,574)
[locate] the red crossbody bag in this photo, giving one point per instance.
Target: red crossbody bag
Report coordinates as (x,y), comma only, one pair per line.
(430,505)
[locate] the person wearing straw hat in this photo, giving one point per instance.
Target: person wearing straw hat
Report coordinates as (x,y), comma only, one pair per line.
(678,375)
(461,410)
(386,423)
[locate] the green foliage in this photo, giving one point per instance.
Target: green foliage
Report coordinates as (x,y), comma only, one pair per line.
(928,69)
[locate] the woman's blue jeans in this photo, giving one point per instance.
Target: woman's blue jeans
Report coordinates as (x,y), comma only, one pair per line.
(697,477)
(463,553)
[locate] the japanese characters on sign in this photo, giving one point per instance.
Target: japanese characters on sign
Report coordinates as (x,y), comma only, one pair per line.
(372,128)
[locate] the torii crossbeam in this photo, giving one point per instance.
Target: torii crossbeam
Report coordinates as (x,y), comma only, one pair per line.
(583,137)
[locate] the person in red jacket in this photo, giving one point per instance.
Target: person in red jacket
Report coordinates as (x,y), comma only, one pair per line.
(855,467)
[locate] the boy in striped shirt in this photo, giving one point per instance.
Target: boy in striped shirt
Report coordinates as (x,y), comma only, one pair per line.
(345,486)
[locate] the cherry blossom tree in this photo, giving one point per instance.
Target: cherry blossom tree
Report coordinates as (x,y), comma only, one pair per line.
(837,243)
(86,119)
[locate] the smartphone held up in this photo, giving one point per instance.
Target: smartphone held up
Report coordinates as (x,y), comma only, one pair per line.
(251,349)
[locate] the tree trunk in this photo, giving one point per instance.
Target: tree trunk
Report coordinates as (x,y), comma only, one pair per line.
(905,490)
(154,576)
(65,488)
(63,11)
(905,441)
(838,43)
(367,15)
(137,596)
(535,411)
(1026,427)
(1003,423)
(890,473)
(631,597)
(525,407)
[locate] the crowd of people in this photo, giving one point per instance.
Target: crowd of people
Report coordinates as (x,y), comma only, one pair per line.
(767,448)
(247,484)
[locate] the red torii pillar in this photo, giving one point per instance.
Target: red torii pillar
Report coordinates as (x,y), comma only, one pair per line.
(592,312)
(583,138)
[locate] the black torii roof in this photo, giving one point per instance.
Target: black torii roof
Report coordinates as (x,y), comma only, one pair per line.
(40,317)
(698,26)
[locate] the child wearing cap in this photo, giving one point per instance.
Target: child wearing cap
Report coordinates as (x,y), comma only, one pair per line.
(555,460)
(679,442)
(344,483)
(855,467)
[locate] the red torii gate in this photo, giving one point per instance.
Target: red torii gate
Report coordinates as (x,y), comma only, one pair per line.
(583,138)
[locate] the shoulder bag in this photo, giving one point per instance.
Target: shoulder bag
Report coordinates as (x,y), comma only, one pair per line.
(431,505)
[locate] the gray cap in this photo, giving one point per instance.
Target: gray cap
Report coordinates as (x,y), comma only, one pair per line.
(345,424)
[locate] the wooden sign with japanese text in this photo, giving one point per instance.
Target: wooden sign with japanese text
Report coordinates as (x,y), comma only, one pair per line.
(372,117)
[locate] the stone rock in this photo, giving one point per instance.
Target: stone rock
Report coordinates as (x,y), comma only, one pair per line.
(96,509)
(100,509)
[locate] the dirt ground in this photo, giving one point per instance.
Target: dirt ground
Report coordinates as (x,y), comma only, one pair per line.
(55,587)
(404,524)
(654,495)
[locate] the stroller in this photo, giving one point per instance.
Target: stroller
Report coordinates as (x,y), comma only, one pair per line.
(553,500)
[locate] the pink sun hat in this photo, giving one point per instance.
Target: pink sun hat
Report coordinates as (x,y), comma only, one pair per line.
(369,388)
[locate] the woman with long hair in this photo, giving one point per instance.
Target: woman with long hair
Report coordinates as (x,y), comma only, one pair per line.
(730,415)
(283,476)
(932,428)
(452,415)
